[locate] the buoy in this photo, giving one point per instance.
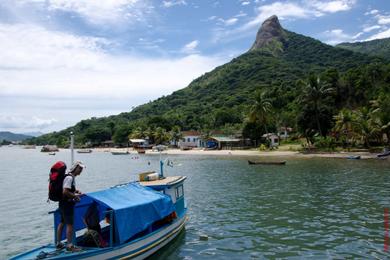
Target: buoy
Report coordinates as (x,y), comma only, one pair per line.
(203,237)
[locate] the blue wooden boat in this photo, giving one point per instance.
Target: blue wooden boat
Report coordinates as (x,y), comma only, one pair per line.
(144,217)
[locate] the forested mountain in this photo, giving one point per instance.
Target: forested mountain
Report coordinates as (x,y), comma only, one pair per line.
(379,47)
(8,136)
(280,64)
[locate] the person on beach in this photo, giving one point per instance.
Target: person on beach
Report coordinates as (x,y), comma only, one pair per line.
(66,205)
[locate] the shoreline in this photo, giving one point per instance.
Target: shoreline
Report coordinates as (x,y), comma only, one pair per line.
(243,153)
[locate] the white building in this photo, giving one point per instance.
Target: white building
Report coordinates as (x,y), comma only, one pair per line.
(284,132)
(190,139)
(273,138)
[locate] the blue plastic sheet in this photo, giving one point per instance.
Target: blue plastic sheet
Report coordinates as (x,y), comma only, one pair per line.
(135,208)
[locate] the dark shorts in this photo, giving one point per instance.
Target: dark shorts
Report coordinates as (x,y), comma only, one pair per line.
(67,212)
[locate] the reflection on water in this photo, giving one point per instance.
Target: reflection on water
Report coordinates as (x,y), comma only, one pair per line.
(312,208)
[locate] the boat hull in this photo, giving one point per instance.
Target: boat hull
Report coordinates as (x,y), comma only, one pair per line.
(267,163)
(138,249)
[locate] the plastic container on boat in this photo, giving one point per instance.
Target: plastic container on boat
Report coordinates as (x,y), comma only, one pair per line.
(153,176)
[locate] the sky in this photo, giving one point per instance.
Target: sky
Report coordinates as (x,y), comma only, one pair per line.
(62,61)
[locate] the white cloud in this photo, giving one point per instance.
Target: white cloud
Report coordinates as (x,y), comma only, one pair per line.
(336,36)
(374,11)
(42,64)
(282,9)
(371,28)
(241,14)
(380,35)
(22,122)
(190,47)
(229,22)
(171,3)
(383,19)
(96,12)
(245,3)
(33,47)
(332,6)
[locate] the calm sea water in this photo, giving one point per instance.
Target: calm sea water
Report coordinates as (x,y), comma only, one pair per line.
(310,208)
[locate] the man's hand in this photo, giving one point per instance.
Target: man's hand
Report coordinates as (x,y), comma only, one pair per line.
(76,198)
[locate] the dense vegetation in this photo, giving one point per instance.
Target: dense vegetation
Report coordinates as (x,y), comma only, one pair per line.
(379,47)
(307,84)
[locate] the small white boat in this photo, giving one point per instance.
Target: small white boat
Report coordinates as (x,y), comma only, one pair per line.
(84,151)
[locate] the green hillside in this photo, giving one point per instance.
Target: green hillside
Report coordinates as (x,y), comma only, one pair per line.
(279,65)
(8,136)
(380,47)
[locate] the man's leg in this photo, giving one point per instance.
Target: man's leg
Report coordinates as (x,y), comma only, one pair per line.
(69,234)
(59,231)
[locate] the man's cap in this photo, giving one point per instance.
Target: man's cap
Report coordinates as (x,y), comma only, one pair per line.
(77,164)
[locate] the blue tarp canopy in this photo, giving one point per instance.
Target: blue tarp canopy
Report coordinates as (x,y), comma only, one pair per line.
(135,208)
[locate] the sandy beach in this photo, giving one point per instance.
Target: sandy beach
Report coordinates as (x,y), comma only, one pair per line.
(249,153)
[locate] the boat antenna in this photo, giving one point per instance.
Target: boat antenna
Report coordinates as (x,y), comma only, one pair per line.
(71,148)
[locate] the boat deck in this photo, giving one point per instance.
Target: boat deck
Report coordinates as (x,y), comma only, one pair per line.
(167,181)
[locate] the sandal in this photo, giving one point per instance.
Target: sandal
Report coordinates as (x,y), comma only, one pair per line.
(60,246)
(73,249)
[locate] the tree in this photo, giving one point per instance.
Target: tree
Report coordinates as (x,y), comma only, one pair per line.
(382,112)
(345,124)
(315,92)
(137,133)
(96,134)
(161,135)
(260,110)
(176,134)
(367,126)
(121,134)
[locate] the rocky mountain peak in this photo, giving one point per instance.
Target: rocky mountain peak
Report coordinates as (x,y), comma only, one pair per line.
(270,31)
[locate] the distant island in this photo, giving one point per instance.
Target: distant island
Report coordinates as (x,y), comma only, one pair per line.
(9,137)
(287,85)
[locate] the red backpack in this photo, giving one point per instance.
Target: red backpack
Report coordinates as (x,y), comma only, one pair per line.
(56,179)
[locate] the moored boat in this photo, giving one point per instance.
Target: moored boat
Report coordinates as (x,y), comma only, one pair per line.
(354,157)
(84,151)
(384,154)
(267,163)
(120,153)
(145,216)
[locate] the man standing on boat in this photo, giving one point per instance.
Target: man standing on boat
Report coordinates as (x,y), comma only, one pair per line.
(66,205)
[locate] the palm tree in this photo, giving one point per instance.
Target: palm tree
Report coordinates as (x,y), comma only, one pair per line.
(176,134)
(136,133)
(367,126)
(382,113)
(315,92)
(261,109)
(161,135)
(345,123)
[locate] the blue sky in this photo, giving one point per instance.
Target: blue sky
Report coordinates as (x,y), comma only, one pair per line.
(67,60)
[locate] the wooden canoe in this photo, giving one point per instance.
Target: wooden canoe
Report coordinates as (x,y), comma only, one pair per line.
(268,163)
